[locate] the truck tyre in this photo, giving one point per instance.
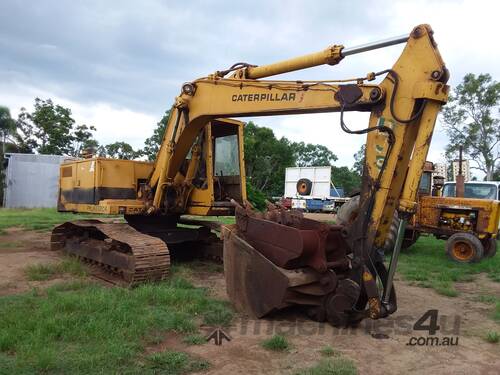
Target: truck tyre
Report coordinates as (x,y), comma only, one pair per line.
(392,234)
(464,248)
(304,186)
(348,212)
(490,247)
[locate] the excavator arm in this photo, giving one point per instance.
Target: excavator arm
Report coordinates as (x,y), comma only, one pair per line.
(403,109)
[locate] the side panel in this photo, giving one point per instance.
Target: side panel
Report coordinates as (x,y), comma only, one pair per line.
(433,208)
(91,182)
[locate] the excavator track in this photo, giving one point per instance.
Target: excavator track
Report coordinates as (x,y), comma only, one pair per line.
(117,248)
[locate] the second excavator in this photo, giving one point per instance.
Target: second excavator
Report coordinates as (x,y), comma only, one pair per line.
(277,258)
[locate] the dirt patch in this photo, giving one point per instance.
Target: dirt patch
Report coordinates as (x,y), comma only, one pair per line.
(320,216)
(16,240)
(459,317)
(19,249)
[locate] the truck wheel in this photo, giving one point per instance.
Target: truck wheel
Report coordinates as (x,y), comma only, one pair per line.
(490,247)
(348,212)
(464,248)
(304,186)
(392,235)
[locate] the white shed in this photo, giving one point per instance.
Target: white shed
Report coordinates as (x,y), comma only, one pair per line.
(31,181)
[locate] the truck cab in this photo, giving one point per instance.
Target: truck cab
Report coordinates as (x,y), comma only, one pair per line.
(475,189)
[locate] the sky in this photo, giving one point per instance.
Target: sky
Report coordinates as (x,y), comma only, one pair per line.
(119,64)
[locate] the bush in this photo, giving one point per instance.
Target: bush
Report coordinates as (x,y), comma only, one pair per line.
(493,337)
(256,197)
(276,343)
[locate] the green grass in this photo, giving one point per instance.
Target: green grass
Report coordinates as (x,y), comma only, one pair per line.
(46,218)
(196,265)
(220,219)
(174,363)
(328,351)
(38,218)
(492,337)
(491,300)
(11,245)
(277,343)
(85,328)
(47,271)
(195,339)
(332,366)
(496,313)
(486,299)
(427,265)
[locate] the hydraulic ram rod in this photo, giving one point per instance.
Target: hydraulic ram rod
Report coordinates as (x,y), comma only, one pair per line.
(375,45)
(331,56)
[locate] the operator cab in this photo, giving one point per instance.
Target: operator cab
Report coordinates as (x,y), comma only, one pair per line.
(221,173)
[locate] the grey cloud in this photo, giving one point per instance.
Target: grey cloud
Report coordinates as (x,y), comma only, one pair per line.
(136,54)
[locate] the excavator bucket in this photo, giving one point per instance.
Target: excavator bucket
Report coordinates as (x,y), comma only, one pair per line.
(253,283)
(279,258)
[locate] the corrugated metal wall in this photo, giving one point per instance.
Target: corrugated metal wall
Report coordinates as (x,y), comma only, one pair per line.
(32,180)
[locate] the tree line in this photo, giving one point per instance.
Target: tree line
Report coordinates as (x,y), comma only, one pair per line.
(50,129)
(470,119)
(267,157)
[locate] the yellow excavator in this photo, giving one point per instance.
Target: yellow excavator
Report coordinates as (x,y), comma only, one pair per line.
(276,258)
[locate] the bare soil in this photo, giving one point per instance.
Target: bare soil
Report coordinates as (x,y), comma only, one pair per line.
(245,355)
(18,250)
(320,216)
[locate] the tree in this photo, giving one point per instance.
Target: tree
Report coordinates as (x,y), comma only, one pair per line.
(83,139)
(359,160)
(24,136)
(311,155)
(10,137)
(7,127)
(496,174)
(48,128)
(152,144)
(119,150)
(471,120)
(266,159)
(346,178)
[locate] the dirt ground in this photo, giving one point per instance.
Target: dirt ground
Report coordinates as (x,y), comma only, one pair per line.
(459,317)
(320,216)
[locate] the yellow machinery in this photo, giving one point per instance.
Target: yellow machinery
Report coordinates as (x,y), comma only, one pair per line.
(469,225)
(273,259)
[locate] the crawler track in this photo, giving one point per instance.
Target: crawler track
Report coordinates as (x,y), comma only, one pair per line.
(117,248)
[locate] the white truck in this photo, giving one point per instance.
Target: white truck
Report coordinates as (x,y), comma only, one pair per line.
(311,189)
